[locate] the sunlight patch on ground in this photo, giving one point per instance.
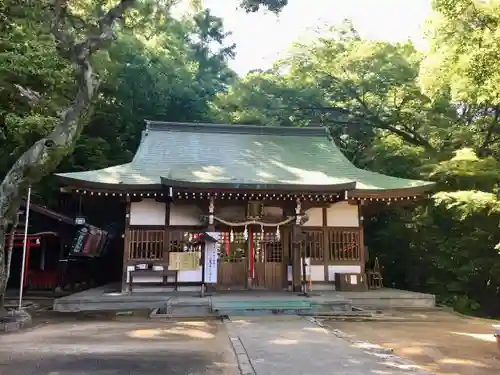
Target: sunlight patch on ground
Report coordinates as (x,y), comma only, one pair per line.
(193,324)
(316,329)
(420,315)
(222,364)
(284,342)
(458,361)
(412,350)
(365,346)
(477,336)
(241,322)
(400,366)
(158,333)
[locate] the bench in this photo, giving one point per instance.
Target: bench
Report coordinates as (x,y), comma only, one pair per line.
(165,274)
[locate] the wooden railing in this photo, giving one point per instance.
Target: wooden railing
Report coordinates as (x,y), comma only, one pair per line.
(155,244)
(145,244)
(149,244)
(313,243)
(344,243)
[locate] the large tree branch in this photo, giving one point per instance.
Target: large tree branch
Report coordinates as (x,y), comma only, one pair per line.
(487,141)
(43,156)
(375,119)
(366,119)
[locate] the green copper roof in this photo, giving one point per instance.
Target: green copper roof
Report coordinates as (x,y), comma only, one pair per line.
(239,155)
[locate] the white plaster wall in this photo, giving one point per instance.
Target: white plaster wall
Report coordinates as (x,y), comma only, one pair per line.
(185,214)
(332,270)
(147,212)
(190,275)
(315,217)
(342,214)
(317,273)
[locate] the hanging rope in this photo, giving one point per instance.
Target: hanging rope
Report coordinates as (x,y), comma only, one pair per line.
(250,222)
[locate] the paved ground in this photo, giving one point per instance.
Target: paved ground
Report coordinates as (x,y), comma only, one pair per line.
(133,345)
(119,347)
(294,346)
(443,343)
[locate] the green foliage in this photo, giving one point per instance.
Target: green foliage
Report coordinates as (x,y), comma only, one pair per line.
(393,110)
(390,108)
(272,5)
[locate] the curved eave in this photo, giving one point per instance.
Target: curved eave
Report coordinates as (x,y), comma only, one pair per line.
(84,184)
(239,186)
(403,192)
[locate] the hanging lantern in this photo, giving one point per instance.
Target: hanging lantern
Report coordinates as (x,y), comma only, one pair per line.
(262,230)
(245,233)
(278,233)
(231,236)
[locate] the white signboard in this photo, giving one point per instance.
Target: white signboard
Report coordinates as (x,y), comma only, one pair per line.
(211,260)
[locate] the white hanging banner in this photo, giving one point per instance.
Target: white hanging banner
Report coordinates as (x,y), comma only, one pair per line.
(211,262)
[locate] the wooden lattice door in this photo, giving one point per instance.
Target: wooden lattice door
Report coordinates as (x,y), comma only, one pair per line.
(233,261)
(269,261)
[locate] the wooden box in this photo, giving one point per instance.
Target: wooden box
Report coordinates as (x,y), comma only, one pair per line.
(350,282)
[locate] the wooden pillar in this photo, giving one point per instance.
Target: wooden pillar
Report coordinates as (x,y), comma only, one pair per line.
(296,249)
(287,253)
(211,228)
(166,237)
(361,237)
(126,245)
(250,257)
(326,245)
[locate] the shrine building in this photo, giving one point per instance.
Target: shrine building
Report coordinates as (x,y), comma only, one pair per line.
(274,195)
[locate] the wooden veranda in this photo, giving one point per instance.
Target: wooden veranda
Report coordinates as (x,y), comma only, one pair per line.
(263,256)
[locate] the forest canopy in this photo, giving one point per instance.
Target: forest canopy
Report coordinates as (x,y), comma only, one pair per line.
(391,108)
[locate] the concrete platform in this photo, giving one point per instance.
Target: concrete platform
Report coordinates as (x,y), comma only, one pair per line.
(387,298)
(106,298)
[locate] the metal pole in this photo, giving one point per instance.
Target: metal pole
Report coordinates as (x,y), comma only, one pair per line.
(25,244)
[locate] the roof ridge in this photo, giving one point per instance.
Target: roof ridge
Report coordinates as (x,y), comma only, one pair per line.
(200,127)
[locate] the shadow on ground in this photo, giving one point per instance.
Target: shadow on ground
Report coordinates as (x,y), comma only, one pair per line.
(111,347)
(443,343)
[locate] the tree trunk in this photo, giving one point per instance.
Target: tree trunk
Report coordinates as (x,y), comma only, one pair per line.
(3,273)
(6,259)
(44,156)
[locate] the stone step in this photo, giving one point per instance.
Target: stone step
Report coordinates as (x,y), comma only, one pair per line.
(260,304)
